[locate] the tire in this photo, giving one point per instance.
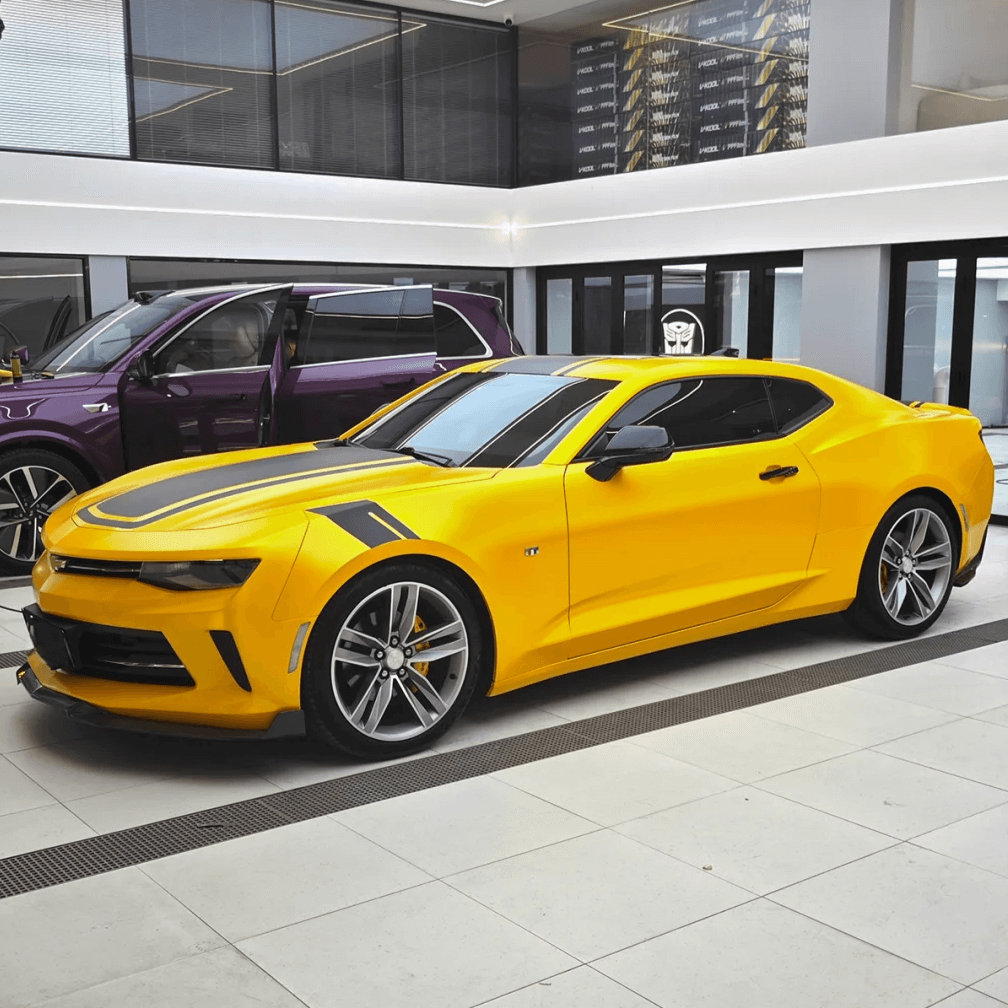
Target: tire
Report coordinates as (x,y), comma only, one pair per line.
(385,702)
(33,483)
(908,570)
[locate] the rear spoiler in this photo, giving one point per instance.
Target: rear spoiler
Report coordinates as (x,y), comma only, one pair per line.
(933,407)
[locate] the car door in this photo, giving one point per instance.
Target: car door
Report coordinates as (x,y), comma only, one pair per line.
(212,384)
(355,352)
(698,538)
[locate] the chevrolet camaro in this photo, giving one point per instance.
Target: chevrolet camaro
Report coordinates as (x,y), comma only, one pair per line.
(508,522)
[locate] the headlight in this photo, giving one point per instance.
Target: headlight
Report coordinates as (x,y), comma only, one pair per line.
(197,575)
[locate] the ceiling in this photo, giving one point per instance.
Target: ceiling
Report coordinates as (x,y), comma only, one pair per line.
(563,12)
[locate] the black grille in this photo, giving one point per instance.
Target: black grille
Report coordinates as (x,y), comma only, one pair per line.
(96,568)
(137,656)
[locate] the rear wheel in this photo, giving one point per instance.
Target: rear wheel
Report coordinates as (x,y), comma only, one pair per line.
(906,578)
(33,484)
(392,662)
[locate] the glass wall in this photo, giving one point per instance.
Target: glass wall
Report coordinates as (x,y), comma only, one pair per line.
(203,81)
(989,371)
(631,86)
(32,291)
(63,77)
(172,274)
(338,93)
(787,297)
(955,69)
(927,333)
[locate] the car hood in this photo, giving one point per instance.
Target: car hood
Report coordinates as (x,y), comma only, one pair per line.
(213,492)
(36,387)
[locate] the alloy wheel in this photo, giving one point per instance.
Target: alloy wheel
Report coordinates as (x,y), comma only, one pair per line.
(915,567)
(28,495)
(400,661)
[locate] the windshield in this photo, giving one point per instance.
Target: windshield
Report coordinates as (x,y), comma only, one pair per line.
(107,337)
(493,419)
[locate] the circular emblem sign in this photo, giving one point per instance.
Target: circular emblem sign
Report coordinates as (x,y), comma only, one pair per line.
(682,332)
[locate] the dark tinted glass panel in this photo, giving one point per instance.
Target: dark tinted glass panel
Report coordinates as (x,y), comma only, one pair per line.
(597,325)
(457,102)
(202,81)
(700,413)
(455,337)
(338,88)
(390,323)
(31,293)
(796,403)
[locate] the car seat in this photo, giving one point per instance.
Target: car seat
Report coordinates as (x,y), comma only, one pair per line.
(237,338)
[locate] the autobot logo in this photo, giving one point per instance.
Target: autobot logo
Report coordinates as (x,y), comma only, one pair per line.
(1,28)
(683,333)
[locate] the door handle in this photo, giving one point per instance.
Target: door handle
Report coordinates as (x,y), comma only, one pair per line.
(398,384)
(778,472)
(234,397)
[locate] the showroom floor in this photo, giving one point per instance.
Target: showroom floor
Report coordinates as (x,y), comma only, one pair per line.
(842,847)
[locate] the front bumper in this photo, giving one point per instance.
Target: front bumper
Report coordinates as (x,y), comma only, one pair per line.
(286,724)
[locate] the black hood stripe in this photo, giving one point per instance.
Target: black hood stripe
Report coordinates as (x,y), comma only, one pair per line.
(166,493)
(368,522)
(89,515)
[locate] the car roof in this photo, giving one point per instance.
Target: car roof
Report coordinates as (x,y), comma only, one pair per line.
(650,369)
(217,290)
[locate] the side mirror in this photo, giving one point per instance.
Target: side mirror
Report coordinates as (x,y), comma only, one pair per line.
(631,446)
(142,369)
(22,354)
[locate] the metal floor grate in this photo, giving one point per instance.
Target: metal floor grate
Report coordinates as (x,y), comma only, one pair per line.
(68,862)
(12,659)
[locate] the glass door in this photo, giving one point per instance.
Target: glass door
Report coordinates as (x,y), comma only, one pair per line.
(927,330)
(597,316)
(638,313)
(685,320)
(559,316)
(989,371)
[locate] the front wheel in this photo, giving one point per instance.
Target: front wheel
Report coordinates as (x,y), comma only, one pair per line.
(392,662)
(906,578)
(33,484)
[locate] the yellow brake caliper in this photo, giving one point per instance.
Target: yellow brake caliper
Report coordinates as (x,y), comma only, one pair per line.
(422,667)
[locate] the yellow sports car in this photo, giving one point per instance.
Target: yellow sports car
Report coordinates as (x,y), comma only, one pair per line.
(509,522)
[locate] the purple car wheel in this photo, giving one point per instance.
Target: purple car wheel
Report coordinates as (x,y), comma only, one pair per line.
(33,484)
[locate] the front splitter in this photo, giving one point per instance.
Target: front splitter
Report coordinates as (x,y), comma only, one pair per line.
(287,724)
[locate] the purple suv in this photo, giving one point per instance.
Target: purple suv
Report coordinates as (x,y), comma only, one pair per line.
(187,372)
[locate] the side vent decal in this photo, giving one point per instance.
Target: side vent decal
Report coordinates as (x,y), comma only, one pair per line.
(225,644)
(368,522)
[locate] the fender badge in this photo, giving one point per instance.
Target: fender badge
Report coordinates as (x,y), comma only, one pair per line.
(532,551)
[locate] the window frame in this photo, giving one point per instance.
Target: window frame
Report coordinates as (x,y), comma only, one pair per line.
(588,453)
(476,332)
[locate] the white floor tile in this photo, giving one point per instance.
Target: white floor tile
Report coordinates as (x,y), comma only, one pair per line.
(615,782)
(493,718)
(19,792)
(939,686)
(39,827)
(463,825)
(943,915)
(853,716)
(968,998)
(885,794)
(598,893)
(164,799)
(998,716)
(995,986)
(968,748)
(583,987)
(429,947)
(83,933)
(258,883)
(600,691)
(980,840)
(223,978)
(764,956)
(991,660)
(90,766)
(292,766)
(741,746)
(30,725)
(755,840)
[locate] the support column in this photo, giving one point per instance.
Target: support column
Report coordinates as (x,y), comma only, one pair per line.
(855,68)
(525,307)
(845,312)
(107,282)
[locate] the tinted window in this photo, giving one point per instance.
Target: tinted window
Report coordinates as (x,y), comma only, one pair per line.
(702,412)
(231,336)
(202,81)
(490,419)
(455,336)
(796,403)
(371,324)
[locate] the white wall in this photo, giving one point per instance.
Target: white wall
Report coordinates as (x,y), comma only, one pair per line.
(940,185)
